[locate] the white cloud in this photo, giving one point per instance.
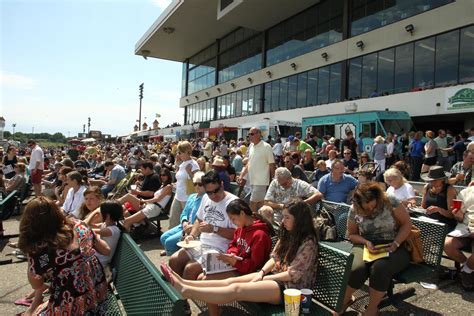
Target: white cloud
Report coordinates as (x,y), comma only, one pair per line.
(162,4)
(15,80)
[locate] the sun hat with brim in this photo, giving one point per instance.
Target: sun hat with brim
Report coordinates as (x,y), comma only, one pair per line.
(435,173)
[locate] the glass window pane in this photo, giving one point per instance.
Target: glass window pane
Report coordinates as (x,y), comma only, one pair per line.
(447,49)
(355,78)
(312,87)
(238,103)
(386,66)
(424,63)
(404,68)
(268,98)
(283,94)
(257,100)
(275,95)
(302,88)
(323,85)
(335,83)
(292,91)
(369,75)
(466,62)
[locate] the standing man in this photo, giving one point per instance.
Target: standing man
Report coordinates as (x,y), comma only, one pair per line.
(260,168)
(350,143)
(36,166)
(442,142)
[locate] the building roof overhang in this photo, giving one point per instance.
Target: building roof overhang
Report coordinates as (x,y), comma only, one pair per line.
(186,27)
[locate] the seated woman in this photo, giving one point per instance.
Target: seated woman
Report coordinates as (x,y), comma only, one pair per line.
(321,171)
(453,245)
(307,162)
(399,187)
(292,265)
(438,197)
(111,212)
(48,237)
(62,190)
(75,195)
(89,211)
(153,206)
(18,180)
(170,238)
(376,219)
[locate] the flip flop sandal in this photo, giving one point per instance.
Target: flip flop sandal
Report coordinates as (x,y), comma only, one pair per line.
(5,261)
(21,257)
(23,302)
(167,273)
(12,244)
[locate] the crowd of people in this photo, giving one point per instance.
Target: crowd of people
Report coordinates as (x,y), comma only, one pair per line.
(249,202)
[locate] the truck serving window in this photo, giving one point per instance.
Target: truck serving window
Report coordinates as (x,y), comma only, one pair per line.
(397,126)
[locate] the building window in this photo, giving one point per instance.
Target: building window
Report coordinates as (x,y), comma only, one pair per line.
(316,27)
(447,52)
(424,63)
(283,98)
(292,91)
(466,56)
(369,76)
(312,87)
(302,89)
(323,85)
(355,77)
(335,83)
(403,79)
(385,71)
(241,59)
(368,15)
(268,98)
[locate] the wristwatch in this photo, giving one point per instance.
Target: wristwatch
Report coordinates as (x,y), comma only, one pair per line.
(215,229)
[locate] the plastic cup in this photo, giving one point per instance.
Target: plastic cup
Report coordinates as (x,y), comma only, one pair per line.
(306,299)
(457,204)
(292,302)
(133,187)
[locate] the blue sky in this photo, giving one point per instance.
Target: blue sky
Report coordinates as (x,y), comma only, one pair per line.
(62,61)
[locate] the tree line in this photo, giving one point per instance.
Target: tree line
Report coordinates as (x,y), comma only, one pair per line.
(23,137)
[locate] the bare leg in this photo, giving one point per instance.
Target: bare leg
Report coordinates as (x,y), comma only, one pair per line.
(254,206)
(178,261)
(213,309)
(374,300)
(262,291)
(215,283)
(452,248)
(132,199)
(37,189)
(192,270)
(135,218)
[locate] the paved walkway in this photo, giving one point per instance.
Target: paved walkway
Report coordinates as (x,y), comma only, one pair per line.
(448,299)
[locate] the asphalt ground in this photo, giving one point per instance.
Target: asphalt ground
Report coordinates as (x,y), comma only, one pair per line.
(447,299)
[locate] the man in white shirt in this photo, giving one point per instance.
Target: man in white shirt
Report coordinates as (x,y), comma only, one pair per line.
(36,166)
(260,168)
(212,225)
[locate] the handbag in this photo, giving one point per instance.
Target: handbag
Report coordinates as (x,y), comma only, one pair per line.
(414,245)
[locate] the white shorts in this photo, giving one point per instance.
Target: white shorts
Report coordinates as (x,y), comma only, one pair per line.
(258,193)
(151,210)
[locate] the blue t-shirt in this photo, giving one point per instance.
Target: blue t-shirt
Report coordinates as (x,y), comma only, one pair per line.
(190,209)
(417,148)
(117,174)
(336,191)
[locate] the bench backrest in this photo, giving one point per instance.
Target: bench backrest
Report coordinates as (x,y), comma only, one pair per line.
(340,212)
(7,205)
(334,268)
(432,235)
(140,286)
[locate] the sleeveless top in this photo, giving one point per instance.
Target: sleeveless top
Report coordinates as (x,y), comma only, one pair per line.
(439,200)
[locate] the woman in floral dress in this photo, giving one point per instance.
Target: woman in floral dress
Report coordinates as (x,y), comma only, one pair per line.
(60,252)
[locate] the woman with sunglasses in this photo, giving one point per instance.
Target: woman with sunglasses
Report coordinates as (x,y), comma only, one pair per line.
(152,207)
(186,170)
(170,238)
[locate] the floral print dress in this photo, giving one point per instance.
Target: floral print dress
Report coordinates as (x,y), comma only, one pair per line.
(78,285)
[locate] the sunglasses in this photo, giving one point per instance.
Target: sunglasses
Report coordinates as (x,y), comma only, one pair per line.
(199,184)
(214,191)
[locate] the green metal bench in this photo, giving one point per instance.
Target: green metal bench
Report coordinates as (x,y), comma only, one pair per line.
(140,288)
(7,205)
(333,271)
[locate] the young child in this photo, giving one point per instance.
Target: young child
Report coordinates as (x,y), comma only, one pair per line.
(111,212)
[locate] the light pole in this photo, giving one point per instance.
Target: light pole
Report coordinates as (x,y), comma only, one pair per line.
(13,126)
(140,87)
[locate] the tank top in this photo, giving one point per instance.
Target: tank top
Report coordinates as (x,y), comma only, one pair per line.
(439,200)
